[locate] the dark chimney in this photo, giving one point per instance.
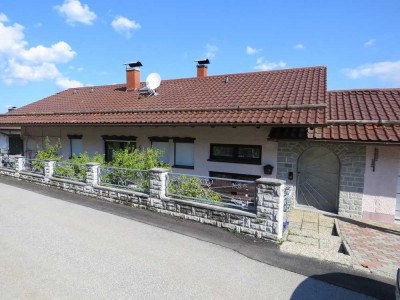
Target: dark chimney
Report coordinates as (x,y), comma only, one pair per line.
(133,75)
(202,67)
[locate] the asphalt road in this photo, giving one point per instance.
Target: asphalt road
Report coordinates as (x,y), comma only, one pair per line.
(50,248)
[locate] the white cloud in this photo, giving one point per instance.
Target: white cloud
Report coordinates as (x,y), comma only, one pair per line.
(250,50)
(125,26)
(385,71)
(66,83)
(60,52)
(20,65)
(75,12)
(211,51)
(20,73)
(12,38)
(79,69)
(298,46)
(264,65)
(369,43)
(3,18)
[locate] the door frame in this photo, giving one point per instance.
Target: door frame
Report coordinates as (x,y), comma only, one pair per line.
(338,184)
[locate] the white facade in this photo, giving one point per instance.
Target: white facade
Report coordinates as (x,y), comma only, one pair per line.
(381,183)
(92,142)
(3,143)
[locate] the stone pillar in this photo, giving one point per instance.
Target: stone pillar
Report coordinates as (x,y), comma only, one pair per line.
(19,163)
(158,182)
(270,201)
(92,173)
(49,168)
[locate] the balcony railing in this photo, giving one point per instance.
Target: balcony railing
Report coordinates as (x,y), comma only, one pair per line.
(7,162)
(138,180)
(239,194)
(76,172)
(34,166)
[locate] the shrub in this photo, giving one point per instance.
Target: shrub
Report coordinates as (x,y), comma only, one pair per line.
(49,151)
(129,163)
(138,159)
(191,187)
(75,167)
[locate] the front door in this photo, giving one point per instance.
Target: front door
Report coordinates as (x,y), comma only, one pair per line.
(318,179)
(15,145)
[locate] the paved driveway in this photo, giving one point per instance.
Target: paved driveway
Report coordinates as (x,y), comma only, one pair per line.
(375,246)
(54,249)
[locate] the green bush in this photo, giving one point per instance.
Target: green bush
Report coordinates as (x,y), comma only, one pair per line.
(191,187)
(75,167)
(144,159)
(49,151)
(130,161)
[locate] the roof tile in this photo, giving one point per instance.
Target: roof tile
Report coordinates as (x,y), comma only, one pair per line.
(200,100)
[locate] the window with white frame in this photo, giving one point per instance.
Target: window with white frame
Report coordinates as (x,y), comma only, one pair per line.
(76,145)
(114,143)
(184,153)
(162,144)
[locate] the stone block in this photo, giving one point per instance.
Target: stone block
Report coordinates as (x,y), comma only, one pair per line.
(258,227)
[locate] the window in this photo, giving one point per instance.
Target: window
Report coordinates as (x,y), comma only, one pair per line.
(234,176)
(75,144)
(114,143)
(162,144)
(184,153)
(242,154)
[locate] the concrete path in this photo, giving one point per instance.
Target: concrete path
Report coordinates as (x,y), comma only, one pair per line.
(373,246)
(313,234)
(52,249)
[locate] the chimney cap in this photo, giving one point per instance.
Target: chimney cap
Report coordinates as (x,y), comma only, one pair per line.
(134,64)
(203,61)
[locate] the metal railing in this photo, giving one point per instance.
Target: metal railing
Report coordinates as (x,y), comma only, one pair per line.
(7,162)
(233,193)
(34,166)
(138,180)
(67,170)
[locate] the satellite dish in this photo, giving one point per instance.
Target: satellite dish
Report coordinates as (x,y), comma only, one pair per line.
(153,81)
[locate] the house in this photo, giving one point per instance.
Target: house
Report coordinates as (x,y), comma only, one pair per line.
(337,150)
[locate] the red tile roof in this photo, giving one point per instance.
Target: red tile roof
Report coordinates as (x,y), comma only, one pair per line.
(292,96)
(361,115)
(188,117)
(9,128)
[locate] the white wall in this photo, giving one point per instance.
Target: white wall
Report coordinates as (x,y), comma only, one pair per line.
(380,186)
(3,141)
(92,142)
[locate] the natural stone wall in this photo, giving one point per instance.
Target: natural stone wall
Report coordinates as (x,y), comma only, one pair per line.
(352,167)
(265,222)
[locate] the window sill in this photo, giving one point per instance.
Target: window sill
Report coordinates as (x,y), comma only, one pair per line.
(183,167)
(235,161)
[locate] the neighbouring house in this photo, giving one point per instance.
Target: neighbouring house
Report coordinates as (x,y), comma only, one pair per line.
(338,151)
(10,140)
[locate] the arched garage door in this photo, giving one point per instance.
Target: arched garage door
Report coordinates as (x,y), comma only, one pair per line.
(318,179)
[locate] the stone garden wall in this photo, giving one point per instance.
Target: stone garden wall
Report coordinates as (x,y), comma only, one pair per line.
(266,222)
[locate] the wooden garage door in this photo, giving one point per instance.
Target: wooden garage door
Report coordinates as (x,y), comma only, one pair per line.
(318,179)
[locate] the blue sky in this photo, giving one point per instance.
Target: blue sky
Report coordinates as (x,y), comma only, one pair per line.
(47,46)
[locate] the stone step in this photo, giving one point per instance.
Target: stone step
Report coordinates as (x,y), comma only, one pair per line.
(315,252)
(303,240)
(333,244)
